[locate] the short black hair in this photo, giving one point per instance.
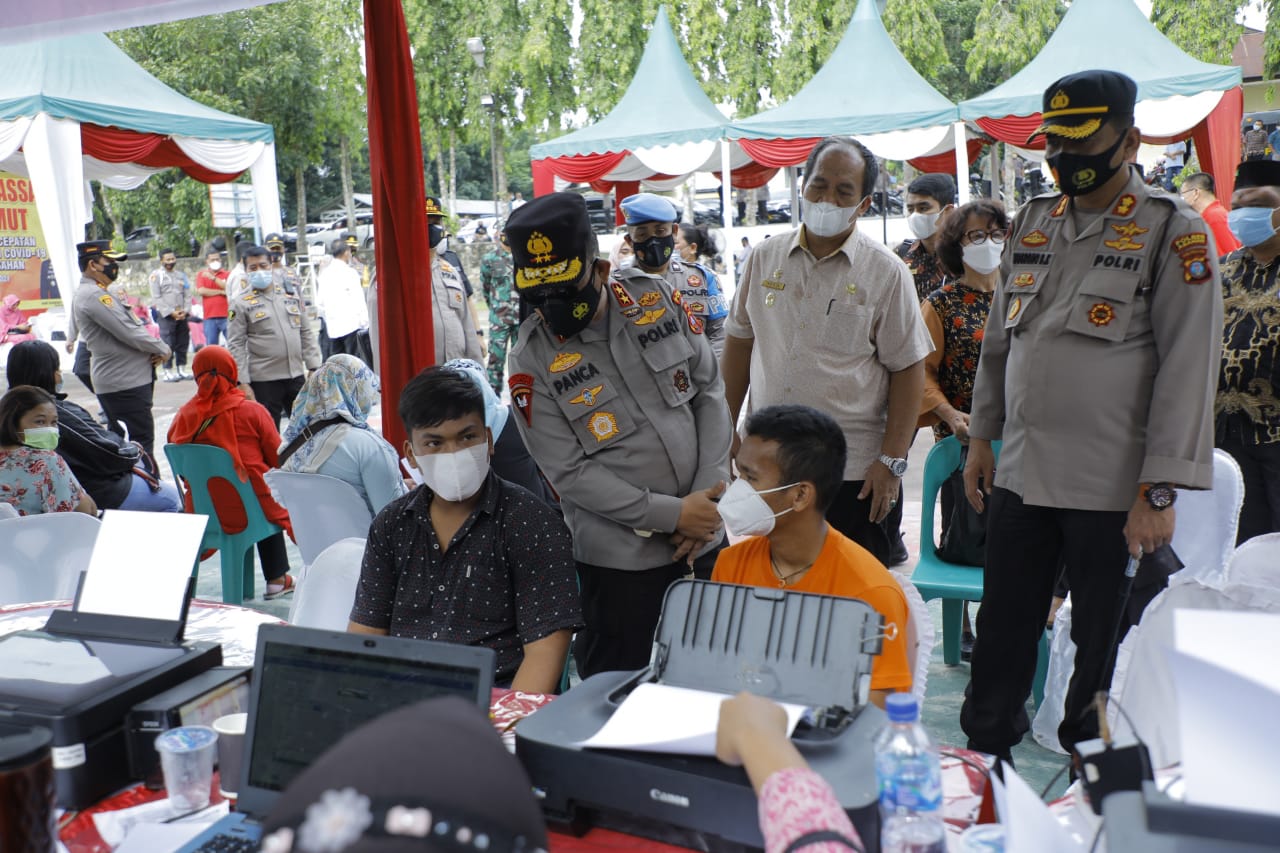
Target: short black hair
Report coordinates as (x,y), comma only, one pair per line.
(938,186)
(952,230)
(1199,181)
(699,236)
(164,252)
(33,363)
(436,395)
(249,250)
(19,400)
(811,447)
(338,247)
(242,248)
(870,165)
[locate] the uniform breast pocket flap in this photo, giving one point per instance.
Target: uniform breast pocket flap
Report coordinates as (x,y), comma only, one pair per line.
(292,307)
(258,315)
(846,328)
(663,346)
(1023,281)
(1108,308)
(603,426)
(591,391)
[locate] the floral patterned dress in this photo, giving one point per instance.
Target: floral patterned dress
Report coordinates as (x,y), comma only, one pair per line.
(37,481)
(956,315)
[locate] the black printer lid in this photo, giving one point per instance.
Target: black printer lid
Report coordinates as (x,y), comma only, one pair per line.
(790,646)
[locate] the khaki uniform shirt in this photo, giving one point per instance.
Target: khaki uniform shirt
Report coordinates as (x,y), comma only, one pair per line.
(690,281)
(118,340)
(1101,352)
(269,335)
(828,333)
(453,327)
(625,419)
(170,291)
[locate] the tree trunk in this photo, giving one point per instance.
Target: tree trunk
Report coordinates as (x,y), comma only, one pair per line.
(994,169)
(453,173)
(441,184)
(500,165)
(348,187)
(300,180)
(1010,178)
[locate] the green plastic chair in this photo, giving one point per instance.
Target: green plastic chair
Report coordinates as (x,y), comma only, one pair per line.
(198,464)
(952,582)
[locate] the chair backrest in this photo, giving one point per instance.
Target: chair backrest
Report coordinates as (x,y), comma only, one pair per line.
(325,594)
(43,555)
(200,463)
(920,635)
(323,510)
(943,459)
(1205,533)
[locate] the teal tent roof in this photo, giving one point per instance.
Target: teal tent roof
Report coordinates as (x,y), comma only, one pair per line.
(1110,34)
(866,86)
(685,113)
(87,78)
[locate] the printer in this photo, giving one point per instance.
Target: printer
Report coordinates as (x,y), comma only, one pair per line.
(811,650)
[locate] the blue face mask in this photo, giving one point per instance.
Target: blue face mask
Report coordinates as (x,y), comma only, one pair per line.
(1251,225)
(260,279)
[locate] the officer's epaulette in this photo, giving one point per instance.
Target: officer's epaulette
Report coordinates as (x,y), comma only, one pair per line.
(446,266)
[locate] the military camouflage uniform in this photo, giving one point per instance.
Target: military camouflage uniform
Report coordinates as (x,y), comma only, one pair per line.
(504,309)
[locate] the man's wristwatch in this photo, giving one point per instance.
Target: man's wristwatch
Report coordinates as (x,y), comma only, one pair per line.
(1159,495)
(897,467)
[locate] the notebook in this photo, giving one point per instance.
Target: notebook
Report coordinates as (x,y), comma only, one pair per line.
(311,688)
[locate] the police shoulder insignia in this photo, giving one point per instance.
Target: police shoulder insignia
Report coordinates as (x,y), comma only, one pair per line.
(1061,206)
(564,361)
(521,385)
(588,396)
(695,322)
(650,298)
(1125,205)
(681,380)
(620,294)
(1101,314)
(1035,239)
(1193,249)
(106,300)
(651,316)
(603,426)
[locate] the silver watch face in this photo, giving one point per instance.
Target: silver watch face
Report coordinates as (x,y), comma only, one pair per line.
(897,467)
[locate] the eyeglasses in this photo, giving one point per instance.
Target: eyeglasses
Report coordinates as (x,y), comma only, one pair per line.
(977,237)
(1188,192)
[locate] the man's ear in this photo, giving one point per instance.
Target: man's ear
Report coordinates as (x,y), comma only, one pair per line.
(408,453)
(488,432)
(946,210)
(806,496)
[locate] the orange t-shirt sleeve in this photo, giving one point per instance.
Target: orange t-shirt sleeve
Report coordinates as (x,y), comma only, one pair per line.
(890,670)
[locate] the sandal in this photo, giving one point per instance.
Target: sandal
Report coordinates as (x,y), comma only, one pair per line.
(276,590)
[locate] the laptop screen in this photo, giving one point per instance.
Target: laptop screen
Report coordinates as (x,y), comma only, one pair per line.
(310,697)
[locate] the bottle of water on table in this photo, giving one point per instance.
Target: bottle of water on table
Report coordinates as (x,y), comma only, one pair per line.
(910,779)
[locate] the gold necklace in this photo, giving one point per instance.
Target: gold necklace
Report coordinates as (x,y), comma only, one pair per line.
(784,580)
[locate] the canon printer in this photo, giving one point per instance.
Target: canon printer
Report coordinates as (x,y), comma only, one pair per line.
(812,650)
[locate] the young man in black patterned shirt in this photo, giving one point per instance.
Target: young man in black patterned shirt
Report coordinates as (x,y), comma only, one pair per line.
(468,557)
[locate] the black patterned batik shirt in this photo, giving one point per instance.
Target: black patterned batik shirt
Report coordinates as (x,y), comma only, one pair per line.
(1250,348)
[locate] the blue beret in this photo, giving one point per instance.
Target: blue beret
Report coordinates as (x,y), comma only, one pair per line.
(647,207)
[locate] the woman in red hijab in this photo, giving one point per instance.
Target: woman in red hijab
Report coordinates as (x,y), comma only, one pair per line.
(219,415)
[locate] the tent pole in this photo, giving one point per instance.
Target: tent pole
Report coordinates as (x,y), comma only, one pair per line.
(793,184)
(726,214)
(962,164)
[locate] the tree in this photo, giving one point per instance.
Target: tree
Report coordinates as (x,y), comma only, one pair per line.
(812,29)
(957,18)
(748,52)
(918,35)
(1207,31)
(609,50)
(1007,34)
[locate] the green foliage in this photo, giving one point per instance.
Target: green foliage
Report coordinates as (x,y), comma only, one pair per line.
(1207,31)
(748,53)
(957,19)
(915,29)
(609,49)
(1007,34)
(811,29)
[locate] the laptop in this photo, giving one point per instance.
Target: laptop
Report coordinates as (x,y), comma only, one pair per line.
(311,688)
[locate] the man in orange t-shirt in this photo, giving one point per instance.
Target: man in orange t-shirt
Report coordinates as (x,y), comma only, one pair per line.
(790,468)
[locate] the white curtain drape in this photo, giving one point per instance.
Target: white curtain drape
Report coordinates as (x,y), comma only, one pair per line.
(55,163)
(221,155)
(1171,116)
(118,176)
(907,144)
(676,159)
(266,189)
(12,133)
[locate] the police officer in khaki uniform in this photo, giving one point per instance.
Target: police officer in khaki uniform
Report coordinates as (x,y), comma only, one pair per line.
(171,297)
(453,324)
(1098,369)
(269,337)
(622,406)
(124,355)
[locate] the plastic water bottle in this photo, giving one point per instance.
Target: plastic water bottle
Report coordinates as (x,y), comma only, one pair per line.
(910,779)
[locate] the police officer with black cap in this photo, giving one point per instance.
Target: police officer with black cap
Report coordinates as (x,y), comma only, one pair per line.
(456,333)
(622,406)
(124,354)
(1098,368)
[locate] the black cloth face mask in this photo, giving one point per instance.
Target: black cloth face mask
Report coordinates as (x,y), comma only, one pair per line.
(435,233)
(569,312)
(655,251)
(1080,174)
(111,271)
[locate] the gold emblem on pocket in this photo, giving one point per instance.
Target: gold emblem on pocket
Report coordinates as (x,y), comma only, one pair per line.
(603,426)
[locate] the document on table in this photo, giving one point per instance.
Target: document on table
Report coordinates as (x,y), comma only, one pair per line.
(1030,826)
(141,564)
(662,718)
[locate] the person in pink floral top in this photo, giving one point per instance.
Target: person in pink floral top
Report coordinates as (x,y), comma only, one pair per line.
(798,809)
(32,476)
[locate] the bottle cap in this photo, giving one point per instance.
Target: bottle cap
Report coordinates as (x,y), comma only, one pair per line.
(902,708)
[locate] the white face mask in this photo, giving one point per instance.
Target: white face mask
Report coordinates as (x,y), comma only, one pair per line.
(455,476)
(984,257)
(215,265)
(825,219)
(745,513)
(923,224)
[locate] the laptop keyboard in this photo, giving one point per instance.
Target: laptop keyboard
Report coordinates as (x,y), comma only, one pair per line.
(224,843)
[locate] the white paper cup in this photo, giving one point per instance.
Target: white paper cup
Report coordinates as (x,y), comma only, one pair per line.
(230,731)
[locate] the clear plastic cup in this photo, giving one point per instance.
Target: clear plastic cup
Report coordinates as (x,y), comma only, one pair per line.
(186,759)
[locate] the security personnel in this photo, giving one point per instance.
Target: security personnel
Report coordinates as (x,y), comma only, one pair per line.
(651,233)
(504,306)
(453,323)
(269,337)
(1098,370)
(124,354)
(281,272)
(622,407)
(171,298)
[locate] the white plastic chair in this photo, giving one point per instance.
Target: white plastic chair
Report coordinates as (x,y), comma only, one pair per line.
(324,596)
(322,509)
(1204,535)
(43,555)
(920,635)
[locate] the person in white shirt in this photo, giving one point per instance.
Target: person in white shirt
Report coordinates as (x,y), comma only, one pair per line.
(346,312)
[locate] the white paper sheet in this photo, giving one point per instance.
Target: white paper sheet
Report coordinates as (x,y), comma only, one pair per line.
(141,563)
(1030,826)
(661,718)
(143,828)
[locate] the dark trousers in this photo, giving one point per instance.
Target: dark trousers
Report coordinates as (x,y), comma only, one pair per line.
(852,517)
(273,557)
(177,335)
(324,341)
(1026,546)
(81,366)
(1260,465)
(621,611)
(132,407)
(356,343)
(277,395)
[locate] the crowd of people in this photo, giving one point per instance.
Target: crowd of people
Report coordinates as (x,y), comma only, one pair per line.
(1084,340)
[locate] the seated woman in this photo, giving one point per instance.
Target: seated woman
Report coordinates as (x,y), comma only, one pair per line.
(14,326)
(32,476)
(329,432)
(219,415)
(115,473)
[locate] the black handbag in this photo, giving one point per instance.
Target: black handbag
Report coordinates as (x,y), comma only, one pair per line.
(964,531)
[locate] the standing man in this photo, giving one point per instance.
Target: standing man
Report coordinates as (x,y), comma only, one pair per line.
(1197,191)
(504,306)
(453,322)
(1175,157)
(827,317)
(652,223)
(280,271)
(1255,142)
(929,198)
(211,286)
(1097,371)
(622,407)
(269,337)
(171,298)
(124,355)
(345,310)
(1247,405)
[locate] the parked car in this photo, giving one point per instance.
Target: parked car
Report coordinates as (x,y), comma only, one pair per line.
(291,237)
(139,242)
(467,233)
(335,229)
